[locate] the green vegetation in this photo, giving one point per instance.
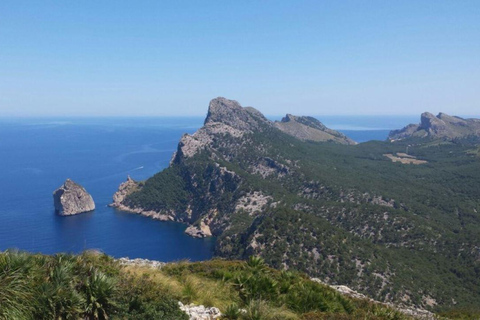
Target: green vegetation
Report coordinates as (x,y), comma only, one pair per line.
(263,292)
(87,286)
(94,286)
(347,214)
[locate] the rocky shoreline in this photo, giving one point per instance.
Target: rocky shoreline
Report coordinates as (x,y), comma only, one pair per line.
(124,190)
(130,186)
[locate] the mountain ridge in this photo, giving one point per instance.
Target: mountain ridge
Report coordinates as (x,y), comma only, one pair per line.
(441,126)
(310,129)
(344,213)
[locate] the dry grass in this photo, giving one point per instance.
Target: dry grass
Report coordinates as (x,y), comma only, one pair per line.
(404,158)
(189,288)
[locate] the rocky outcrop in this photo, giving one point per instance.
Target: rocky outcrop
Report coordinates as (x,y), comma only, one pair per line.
(228,117)
(71,198)
(416,313)
(225,117)
(201,231)
(141,263)
(129,187)
(200,312)
(309,128)
(440,126)
(231,113)
(124,189)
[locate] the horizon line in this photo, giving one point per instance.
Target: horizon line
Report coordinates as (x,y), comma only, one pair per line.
(77,116)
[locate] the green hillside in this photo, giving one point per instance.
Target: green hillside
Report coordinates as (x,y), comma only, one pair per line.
(94,286)
(349,214)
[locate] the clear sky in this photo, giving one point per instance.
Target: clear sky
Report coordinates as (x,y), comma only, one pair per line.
(317,57)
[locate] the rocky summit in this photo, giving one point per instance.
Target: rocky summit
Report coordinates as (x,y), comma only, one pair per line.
(71,198)
(309,128)
(441,126)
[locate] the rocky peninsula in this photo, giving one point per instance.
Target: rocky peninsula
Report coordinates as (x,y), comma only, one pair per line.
(71,198)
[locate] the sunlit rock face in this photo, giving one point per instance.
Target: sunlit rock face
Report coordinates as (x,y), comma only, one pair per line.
(71,198)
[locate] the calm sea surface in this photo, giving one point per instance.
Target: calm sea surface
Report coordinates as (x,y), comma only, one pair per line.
(37,155)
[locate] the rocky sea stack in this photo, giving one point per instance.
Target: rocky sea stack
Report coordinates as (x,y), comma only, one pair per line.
(71,198)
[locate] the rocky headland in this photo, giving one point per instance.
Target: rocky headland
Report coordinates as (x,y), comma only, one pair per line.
(120,203)
(441,126)
(348,214)
(71,198)
(225,118)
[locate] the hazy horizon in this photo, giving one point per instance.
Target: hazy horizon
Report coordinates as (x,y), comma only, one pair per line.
(149,58)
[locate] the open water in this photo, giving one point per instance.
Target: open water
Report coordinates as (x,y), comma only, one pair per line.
(37,155)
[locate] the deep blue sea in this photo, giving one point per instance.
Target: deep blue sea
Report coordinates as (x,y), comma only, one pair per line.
(37,155)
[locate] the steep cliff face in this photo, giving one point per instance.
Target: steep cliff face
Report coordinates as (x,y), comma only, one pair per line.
(308,128)
(71,198)
(344,213)
(440,126)
(211,192)
(225,118)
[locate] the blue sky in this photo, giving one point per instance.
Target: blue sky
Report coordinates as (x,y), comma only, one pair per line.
(126,58)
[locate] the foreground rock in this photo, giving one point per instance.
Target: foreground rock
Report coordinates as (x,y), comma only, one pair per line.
(141,263)
(71,198)
(201,312)
(440,126)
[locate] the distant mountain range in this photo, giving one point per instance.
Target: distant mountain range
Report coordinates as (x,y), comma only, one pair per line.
(397,220)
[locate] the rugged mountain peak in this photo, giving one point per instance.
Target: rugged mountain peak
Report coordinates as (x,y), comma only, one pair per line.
(71,198)
(440,126)
(308,121)
(451,119)
(288,117)
(231,113)
(309,128)
(254,112)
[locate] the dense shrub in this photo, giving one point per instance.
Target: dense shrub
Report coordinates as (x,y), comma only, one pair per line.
(87,286)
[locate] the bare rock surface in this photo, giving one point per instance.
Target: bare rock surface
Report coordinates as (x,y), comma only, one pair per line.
(231,113)
(71,198)
(201,231)
(124,189)
(200,312)
(309,128)
(440,126)
(141,263)
(127,188)
(407,310)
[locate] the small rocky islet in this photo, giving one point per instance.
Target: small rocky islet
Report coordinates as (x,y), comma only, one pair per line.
(71,198)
